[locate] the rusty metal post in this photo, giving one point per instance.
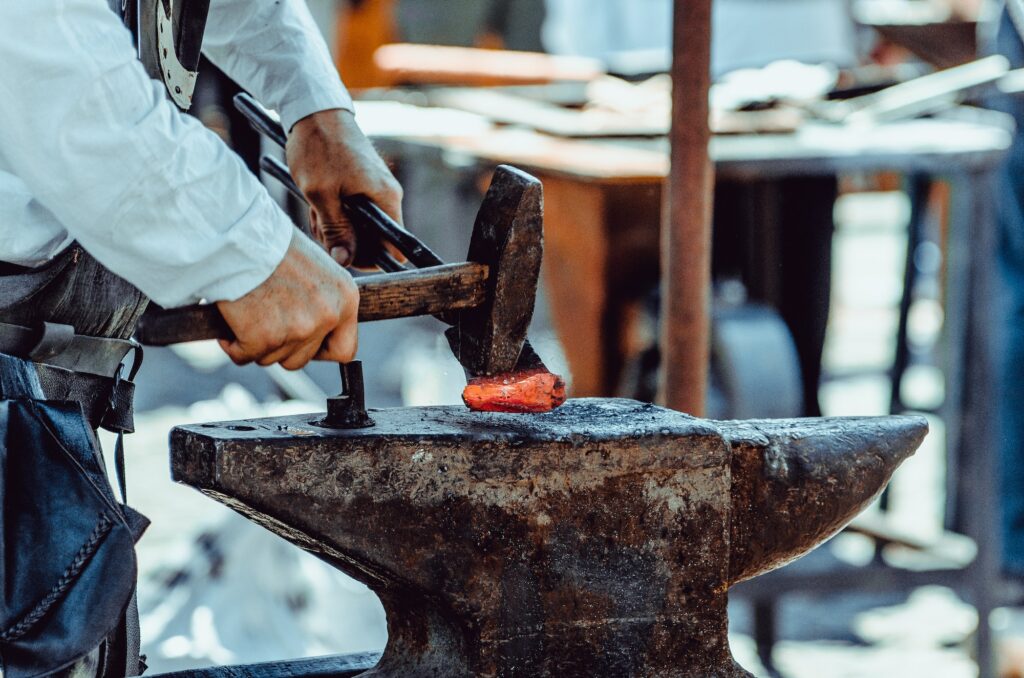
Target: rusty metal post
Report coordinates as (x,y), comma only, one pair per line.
(686,236)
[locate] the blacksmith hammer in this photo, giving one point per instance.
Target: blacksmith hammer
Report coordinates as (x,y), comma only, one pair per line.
(488,300)
(510,362)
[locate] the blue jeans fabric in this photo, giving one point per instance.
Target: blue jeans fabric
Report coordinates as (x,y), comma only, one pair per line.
(1010,222)
(18,379)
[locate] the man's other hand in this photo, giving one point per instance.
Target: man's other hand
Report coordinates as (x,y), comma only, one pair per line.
(330,158)
(306,309)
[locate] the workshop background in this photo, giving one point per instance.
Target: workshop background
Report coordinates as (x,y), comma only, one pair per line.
(842,235)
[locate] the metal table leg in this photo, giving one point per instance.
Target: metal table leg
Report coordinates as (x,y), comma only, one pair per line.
(971,398)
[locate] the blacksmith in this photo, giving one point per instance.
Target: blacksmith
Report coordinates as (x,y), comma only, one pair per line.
(110,197)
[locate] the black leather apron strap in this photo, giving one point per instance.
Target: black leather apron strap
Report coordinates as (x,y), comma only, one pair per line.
(58,346)
(83,369)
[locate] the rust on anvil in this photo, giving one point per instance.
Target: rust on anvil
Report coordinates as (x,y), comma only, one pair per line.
(599,539)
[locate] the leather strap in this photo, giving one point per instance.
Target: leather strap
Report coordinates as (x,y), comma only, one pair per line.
(59,346)
(53,342)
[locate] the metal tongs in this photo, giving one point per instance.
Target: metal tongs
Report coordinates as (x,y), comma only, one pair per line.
(372,224)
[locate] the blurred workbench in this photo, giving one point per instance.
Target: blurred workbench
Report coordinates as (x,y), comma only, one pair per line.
(603,198)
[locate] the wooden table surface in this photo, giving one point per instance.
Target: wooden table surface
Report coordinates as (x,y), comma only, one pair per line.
(925,145)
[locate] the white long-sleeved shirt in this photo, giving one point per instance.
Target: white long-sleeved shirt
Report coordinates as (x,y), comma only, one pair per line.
(92,150)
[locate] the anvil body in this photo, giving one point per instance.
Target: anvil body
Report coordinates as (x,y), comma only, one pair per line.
(598,540)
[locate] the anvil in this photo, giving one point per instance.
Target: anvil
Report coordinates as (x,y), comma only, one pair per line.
(600,539)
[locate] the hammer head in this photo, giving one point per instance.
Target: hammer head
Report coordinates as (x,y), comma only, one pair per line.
(508,237)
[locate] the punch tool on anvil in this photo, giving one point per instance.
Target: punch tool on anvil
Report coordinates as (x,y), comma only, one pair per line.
(487,301)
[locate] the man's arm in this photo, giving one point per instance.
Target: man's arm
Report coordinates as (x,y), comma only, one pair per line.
(274,50)
(149,192)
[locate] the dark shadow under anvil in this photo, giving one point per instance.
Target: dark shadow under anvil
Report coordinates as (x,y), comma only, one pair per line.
(598,540)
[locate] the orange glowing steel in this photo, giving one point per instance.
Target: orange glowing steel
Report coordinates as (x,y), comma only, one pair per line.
(532,392)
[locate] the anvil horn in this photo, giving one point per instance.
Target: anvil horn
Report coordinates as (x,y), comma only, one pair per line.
(797,483)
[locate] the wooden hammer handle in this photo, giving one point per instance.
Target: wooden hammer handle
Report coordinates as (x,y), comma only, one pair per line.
(426,291)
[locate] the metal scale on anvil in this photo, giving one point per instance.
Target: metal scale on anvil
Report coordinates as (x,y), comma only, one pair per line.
(599,538)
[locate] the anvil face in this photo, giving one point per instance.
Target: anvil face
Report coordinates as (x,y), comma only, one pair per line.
(594,540)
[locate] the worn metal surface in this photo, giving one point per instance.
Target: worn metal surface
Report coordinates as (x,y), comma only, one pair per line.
(796,483)
(596,540)
(343,666)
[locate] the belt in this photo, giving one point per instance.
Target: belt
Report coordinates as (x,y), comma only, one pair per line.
(58,346)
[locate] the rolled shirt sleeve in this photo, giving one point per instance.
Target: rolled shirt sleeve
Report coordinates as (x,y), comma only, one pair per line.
(274,50)
(149,192)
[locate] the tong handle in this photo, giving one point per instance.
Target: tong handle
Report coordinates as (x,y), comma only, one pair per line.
(361,210)
(260,119)
(279,171)
(364,213)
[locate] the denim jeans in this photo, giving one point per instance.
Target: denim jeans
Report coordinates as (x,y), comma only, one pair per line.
(1010,223)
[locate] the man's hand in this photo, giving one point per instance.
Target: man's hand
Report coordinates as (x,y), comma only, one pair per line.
(330,158)
(306,309)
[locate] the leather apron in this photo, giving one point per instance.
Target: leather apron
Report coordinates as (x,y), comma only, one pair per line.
(67,561)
